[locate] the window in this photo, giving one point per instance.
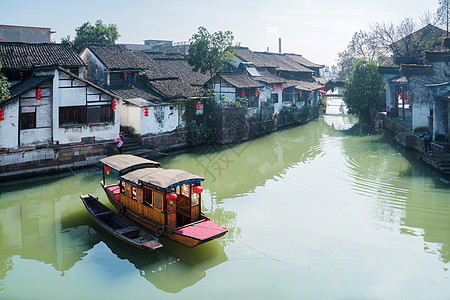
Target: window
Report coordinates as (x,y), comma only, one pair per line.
(148,201)
(28,118)
(85,114)
(274,98)
(158,201)
(72,115)
(253,101)
(288,95)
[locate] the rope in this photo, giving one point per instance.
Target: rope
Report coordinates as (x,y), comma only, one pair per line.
(79,176)
(256,250)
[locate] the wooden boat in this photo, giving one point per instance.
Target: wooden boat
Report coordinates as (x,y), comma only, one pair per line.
(165,201)
(118,226)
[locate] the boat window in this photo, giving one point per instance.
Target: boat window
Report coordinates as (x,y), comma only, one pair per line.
(148,199)
(130,190)
(133,192)
(194,198)
(158,200)
(139,195)
(185,190)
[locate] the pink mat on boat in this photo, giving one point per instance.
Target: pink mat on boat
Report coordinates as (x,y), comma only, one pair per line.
(115,189)
(202,230)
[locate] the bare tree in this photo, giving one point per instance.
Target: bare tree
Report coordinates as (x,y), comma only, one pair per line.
(442,12)
(404,39)
(362,46)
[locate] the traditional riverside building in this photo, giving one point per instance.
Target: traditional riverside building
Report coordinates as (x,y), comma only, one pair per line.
(149,84)
(54,117)
(286,79)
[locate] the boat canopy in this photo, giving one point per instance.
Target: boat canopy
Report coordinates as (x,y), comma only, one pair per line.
(162,179)
(120,162)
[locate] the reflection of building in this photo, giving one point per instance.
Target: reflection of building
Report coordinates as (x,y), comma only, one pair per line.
(26,34)
(31,225)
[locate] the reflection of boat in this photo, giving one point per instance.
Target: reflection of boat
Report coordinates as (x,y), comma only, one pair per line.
(166,201)
(118,226)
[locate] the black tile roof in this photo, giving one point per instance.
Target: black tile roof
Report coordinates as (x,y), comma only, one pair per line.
(284,63)
(26,85)
(24,56)
(303,85)
(281,62)
(303,61)
(133,92)
(181,69)
(170,75)
(249,56)
(269,78)
(240,80)
(119,57)
(174,88)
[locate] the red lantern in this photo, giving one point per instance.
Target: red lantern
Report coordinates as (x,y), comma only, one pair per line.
(281,87)
(299,94)
(401,95)
(199,107)
(114,104)
(273,88)
(256,92)
(106,169)
(146,112)
(396,94)
(242,93)
(197,189)
(38,94)
(171,196)
(1,115)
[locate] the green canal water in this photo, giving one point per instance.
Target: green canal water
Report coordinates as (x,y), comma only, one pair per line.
(313,212)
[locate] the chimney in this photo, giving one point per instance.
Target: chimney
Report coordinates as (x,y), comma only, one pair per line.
(279,45)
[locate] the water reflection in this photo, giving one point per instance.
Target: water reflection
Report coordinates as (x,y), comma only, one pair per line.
(404,194)
(313,204)
(48,223)
(236,170)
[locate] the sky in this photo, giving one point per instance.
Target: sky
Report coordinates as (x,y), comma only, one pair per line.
(316,29)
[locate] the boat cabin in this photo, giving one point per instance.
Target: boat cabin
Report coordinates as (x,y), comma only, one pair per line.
(170,197)
(167,197)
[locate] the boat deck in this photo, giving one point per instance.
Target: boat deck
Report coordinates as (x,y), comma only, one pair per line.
(202,230)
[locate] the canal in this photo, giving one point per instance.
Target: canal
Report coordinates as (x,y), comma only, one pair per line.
(313,212)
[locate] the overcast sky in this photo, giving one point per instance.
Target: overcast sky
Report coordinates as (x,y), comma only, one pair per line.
(316,29)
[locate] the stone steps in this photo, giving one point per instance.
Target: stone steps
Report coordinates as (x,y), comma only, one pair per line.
(134,147)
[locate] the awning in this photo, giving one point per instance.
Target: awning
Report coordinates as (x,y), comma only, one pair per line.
(121,162)
(164,179)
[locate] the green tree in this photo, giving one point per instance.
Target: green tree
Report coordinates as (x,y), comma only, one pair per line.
(210,52)
(364,89)
(4,85)
(98,33)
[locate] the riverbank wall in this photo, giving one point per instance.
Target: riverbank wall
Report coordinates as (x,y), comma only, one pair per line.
(406,138)
(35,160)
(234,125)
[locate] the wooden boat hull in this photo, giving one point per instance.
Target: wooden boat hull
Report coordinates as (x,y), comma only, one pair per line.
(190,235)
(118,226)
